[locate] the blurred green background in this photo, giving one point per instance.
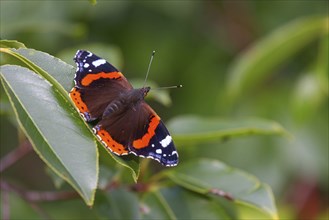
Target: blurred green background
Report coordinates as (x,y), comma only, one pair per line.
(202,45)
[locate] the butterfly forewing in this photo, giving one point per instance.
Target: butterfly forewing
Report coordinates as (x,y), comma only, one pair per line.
(97,83)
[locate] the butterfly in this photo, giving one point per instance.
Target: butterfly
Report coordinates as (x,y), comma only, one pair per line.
(126,124)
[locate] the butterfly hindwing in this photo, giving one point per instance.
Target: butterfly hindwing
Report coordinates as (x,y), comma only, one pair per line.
(118,130)
(139,131)
(160,147)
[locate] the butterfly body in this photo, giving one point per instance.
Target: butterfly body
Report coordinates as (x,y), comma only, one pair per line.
(125,101)
(125,122)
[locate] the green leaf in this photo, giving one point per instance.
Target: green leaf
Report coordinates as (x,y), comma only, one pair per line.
(11,44)
(194,129)
(307,96)
(117,204)
(156,207)
(259,61)
(57,180)
(61,75)
(93,2)
(322,65)
(311,89)
(131,162)
(179,203)
(51,68)
(208,177)
(16,202)
(57,135)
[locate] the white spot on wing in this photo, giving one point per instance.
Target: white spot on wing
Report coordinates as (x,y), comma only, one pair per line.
(99,62)
(158,151)
(166,141)
(174,152)
(86,65)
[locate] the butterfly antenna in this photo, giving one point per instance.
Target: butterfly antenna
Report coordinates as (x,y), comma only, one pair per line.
(148,69)
(169,87)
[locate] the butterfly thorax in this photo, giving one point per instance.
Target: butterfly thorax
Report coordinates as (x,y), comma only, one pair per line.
(125,100)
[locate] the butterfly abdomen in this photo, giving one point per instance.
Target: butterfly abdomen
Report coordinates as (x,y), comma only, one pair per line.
(115,106)
(126,100)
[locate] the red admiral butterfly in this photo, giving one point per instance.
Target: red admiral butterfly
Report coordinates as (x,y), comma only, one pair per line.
(126,123)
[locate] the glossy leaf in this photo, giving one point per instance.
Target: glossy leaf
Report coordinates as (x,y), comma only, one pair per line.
(259,61)
(208,177)
(52,69)
(194,129)
(56,134)
(179,203)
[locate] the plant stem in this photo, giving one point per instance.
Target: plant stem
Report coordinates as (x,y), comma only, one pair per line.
(15,155)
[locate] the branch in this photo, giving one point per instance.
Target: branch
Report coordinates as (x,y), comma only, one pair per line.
(5,208)
(15,155)
(37,196)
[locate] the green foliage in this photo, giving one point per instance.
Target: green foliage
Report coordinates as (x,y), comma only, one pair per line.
(57,150)
(58,147)
(197,130)
(11,44)
(201,177)
(250,79)
(257,63)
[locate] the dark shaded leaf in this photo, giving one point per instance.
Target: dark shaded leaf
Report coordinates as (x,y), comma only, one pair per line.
(209,177)
(118,204)
(178,203)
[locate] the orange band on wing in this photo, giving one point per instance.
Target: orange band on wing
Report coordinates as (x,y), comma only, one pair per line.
(76,98)
(144,141)
(89,78)
(114,146)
